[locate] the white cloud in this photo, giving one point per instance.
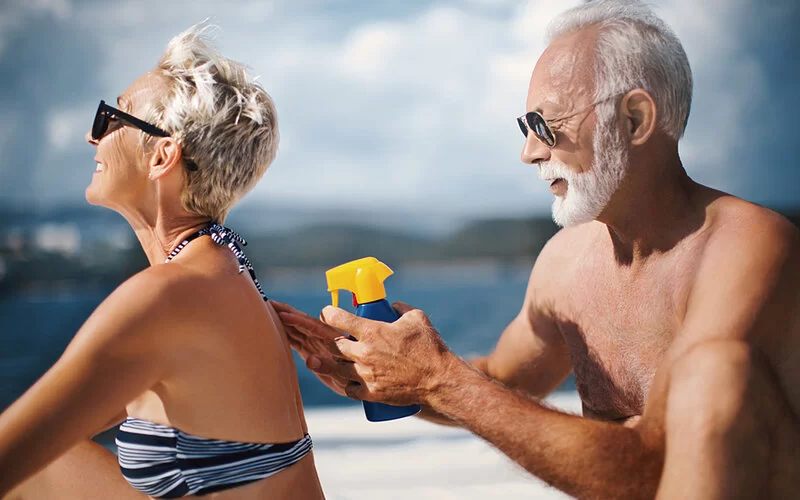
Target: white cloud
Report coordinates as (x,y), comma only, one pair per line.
(441,90)
(363,55)
(111,16)
(415,111)
(67,126)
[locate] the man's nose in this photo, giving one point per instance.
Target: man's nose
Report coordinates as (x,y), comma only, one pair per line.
(534,150)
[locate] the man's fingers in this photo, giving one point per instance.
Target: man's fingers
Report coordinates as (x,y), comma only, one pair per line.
(346,322)
(306,345)
(281,307)
(402,307)
(305,324)
(332,384)
(350,349)
(341,370)
(295,340)
(355,390)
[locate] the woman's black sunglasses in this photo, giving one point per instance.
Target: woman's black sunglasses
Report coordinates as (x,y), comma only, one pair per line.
(106,112)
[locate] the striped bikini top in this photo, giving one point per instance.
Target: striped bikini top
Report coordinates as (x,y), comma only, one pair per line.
(165,462)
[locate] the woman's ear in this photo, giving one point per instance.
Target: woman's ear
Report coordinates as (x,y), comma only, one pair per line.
(640,114)
(167,154)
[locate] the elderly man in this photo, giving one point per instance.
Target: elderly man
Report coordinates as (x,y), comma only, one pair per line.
(675,305)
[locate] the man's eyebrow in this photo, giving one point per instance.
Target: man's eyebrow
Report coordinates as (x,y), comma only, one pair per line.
(551,106)
(547,102)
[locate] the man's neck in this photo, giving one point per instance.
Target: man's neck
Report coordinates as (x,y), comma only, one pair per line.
(655,208)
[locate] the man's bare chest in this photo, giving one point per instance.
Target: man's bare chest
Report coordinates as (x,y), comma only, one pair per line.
(618,333)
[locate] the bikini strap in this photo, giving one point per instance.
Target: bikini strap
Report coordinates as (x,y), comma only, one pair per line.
(224,236)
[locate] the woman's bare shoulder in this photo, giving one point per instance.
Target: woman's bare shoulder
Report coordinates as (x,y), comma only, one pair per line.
(157,295)
(174,282)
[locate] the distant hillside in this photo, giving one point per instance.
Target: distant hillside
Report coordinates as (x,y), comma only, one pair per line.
(329,244)
(104,251)
(323,245)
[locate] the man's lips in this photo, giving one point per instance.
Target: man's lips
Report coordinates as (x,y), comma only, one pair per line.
(558,186)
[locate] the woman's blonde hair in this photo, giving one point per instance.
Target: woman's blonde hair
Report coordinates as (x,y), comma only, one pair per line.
(225,122)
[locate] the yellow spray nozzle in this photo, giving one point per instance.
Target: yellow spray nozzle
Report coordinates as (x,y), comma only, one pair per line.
(363,277)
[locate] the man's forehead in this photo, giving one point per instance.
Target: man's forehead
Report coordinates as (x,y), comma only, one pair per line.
(564,72)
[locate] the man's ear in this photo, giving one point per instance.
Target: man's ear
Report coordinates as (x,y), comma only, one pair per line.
(640,114)
(167,154)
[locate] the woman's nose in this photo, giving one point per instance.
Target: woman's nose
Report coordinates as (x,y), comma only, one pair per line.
(90,139)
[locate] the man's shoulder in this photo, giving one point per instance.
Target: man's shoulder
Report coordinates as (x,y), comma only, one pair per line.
(568,242)
(561,253)
(750,261)
(747,239)
(748,226)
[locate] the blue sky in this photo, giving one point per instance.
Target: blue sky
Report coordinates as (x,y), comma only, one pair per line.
(398,107)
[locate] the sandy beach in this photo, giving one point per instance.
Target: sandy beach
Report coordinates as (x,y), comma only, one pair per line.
(411,458)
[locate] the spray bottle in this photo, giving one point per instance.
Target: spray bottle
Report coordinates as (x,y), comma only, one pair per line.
(364,279)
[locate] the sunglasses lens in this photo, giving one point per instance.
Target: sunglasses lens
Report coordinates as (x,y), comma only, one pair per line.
(540,128)
(522,127)
(100,124)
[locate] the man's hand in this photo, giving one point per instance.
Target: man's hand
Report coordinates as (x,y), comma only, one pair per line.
(315,342)
(398,363)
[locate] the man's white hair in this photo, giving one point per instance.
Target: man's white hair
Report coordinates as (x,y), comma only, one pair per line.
(225,122)
(635,49)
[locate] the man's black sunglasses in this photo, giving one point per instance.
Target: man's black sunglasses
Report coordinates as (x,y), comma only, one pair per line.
(106,112)
(535,122)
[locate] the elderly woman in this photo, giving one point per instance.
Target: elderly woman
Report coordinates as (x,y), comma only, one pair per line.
(187,353)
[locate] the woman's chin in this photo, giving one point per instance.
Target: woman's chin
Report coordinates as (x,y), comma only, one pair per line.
(92,196)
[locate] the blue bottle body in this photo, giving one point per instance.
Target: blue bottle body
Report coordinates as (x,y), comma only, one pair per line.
(381,310)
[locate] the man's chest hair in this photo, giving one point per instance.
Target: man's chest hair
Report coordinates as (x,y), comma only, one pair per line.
(618,331)
(616,355)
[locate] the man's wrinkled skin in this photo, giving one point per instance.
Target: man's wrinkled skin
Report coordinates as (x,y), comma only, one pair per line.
(677,310)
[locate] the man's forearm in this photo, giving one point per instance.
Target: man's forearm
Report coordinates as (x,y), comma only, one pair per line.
(585,458)
(434,416)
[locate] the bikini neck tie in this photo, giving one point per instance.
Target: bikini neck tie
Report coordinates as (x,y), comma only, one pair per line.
(223,236)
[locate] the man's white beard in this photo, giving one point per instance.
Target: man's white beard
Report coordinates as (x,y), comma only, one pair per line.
(589,192)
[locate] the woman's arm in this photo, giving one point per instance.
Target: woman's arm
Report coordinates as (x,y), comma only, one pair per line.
(86,471)
(121,351)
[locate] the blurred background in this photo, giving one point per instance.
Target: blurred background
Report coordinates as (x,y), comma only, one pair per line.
(398,141)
